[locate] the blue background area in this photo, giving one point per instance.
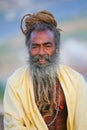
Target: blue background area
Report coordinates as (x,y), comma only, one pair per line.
(62,9)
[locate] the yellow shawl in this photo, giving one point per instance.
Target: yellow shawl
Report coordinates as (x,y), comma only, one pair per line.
(21,112)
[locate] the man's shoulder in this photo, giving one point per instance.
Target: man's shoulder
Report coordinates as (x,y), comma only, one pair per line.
(70,71)
(69,75)
(18,75)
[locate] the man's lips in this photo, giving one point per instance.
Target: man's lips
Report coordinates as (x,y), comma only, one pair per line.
(42,61)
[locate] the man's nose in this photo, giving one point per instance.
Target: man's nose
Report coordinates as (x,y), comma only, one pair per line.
(42,51)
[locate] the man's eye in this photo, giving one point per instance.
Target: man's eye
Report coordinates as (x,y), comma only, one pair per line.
(34,46)
(48,45)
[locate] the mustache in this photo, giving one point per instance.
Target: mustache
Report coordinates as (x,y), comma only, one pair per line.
(38,57)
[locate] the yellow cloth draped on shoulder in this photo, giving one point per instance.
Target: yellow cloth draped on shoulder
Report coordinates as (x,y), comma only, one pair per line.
(21,112)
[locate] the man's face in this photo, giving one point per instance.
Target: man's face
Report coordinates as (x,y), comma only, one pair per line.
(42,43)
(43,63)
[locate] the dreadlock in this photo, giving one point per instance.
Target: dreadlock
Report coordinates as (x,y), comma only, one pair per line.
(40,17)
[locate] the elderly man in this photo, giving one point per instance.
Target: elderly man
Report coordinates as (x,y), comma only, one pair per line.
(44,95)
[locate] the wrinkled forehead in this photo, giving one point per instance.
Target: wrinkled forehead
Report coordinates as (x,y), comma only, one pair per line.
(46,32)
(42,35)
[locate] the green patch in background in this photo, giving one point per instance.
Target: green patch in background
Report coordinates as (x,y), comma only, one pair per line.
(2,89)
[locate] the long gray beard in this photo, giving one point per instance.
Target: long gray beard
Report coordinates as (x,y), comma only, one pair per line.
(44,80)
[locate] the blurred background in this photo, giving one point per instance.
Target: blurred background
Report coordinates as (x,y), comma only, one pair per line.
(72,19)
